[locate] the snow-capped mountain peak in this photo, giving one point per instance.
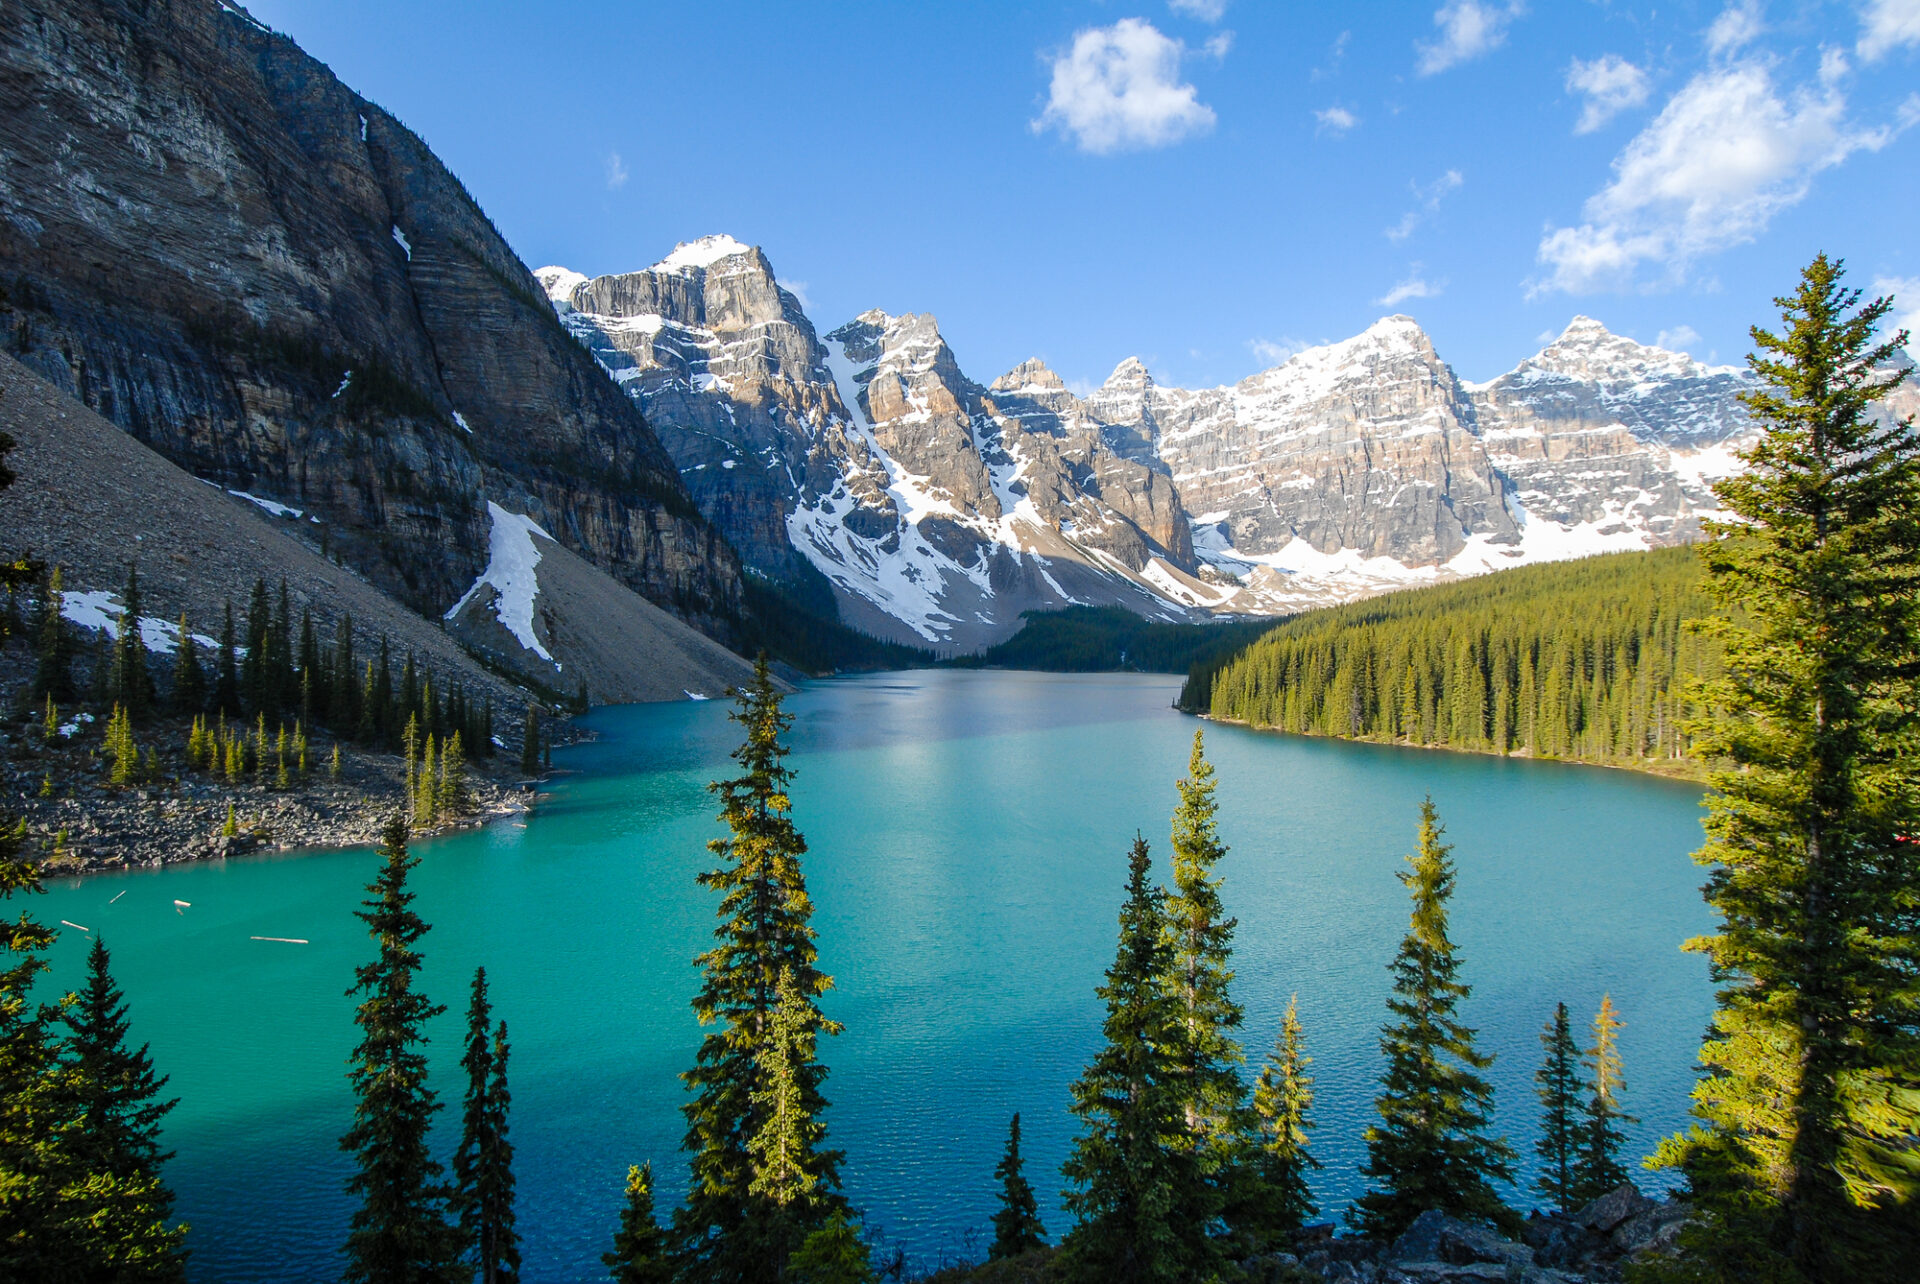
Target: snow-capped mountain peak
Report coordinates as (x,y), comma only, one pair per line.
(703,253)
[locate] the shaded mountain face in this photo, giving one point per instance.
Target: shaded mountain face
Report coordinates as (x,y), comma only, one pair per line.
(210,240)
(940,508)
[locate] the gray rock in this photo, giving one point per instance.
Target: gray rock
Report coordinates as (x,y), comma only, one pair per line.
(1614,1207)
(1435,1237)
(1652,1229)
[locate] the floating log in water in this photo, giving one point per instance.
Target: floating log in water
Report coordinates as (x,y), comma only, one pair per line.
(75,926)
(284,940)
(118,895)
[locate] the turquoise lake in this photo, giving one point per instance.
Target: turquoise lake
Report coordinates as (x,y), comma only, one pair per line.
(968,834)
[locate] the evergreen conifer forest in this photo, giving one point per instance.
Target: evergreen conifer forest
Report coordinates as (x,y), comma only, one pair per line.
(1588,661)
(1782,657)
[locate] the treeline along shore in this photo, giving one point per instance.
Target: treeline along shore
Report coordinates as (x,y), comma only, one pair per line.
(1595,661)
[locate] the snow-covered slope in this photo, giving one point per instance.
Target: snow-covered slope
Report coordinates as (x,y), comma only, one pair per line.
(940,508)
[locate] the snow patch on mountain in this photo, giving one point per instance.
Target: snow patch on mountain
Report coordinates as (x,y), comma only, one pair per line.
(512,572)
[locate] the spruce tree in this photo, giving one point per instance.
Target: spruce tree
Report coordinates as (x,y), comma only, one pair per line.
(639,1253)
(834,1253)
(53,645)
(226,681)
(129,683)
(399,1232)
(1561,1115)
(735,1225)
(1200,936)
(343,702)
(1430,1149)
(1599,1168)
(189,679)
(483,1165)
(1804,1148)
(1274,1200)
(1016,1226)
(454,798)
(256,664)
(37,1239)
(530,743)
(113,1102)
(1129,1169)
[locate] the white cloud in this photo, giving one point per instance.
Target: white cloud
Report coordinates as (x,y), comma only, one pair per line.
(1335,120)
(1468,28)
(1738,25)
(1429,198)
(1275,352)
(1678,339)
(1414,287)
(1886,25)
(1118,89)
(616,172)
(1335,56)
(1724,156)
(1205,10)
(1906,307)
(1610,85)
(1217,45)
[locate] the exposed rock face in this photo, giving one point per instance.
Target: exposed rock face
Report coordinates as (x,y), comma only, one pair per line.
(208,238)
(938,510)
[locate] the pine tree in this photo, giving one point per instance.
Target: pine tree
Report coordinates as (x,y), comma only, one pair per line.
(189,679)
(729,1229)
(53,646)
(835,1253)
(483,1165)
(1016,1226)
(1130,1167)
(1808,1110)
(256,664)
(112,1096)
(639,1253)
(38,1240)
(399,1231)
(788,1133)
(530,743)
(129,683)
(226,682)
(1430,1149)
(1599,1169)
(426,787)
(1561,1132)
(1275,1201)
(1200,940)
(343,704)
(121,748)
(453,799)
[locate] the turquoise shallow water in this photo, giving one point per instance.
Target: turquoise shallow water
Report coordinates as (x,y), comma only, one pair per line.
(968,835)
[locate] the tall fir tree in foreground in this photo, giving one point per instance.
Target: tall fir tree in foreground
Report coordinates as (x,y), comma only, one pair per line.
(1601,1140)
(761,1180)
(483,1165)
(1016,1226)
(1200,938)
(1130,1173)
(639,1253)
(1430,1148)
(399,1232)
(1562,1114)
(36,1237)
(1275,1201)
(1803,1157)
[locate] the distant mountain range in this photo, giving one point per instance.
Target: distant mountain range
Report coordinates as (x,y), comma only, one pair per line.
(209,240)
(940,508)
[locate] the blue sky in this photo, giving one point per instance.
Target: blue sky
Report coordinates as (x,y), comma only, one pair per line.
(1203,183)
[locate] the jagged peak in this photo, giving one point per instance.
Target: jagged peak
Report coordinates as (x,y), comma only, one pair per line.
(1130,373)
(1031,374)
(703,253)
(559,282)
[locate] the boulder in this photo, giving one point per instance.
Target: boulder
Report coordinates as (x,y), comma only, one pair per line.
(1437,1238)
(1652,1229)
(1614,1207)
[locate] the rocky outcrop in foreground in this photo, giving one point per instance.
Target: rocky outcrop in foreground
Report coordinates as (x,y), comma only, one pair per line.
(1593,1245)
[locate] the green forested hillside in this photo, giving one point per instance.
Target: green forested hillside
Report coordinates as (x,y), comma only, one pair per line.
(1583,660)
(1102,639)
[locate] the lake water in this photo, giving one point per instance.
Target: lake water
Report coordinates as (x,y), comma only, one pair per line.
(968,836)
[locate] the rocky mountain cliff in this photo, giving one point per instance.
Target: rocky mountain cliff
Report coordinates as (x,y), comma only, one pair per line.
(940,508)
(210,240)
